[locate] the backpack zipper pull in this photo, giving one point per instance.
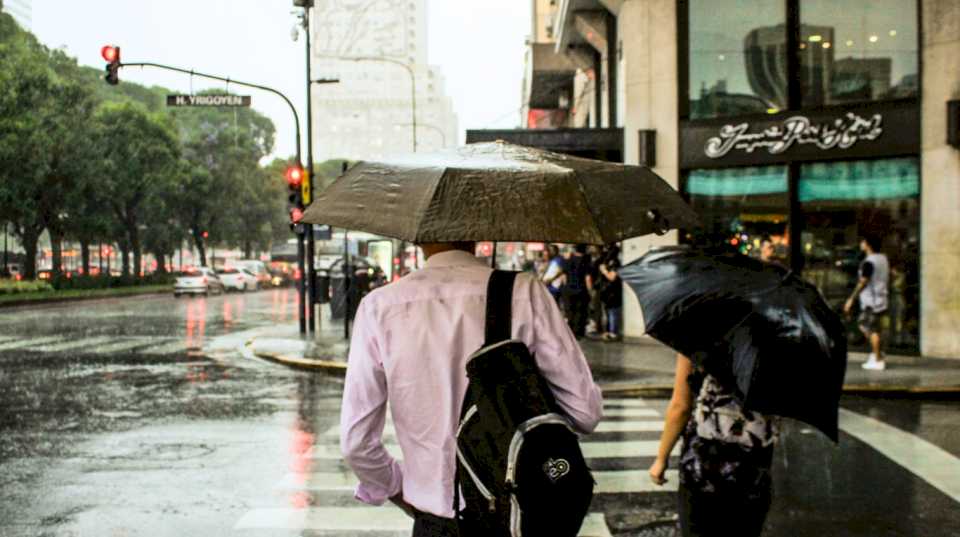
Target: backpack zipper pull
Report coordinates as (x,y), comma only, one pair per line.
(493,505)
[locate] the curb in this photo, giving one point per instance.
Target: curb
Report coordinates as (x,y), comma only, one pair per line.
(64,300)
(309,364)
(865,390)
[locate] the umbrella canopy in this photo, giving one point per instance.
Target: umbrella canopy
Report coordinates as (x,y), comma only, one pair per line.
(755,324)
(501,192)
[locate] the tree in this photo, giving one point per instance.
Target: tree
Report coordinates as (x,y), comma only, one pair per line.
(220,192)
(140,159)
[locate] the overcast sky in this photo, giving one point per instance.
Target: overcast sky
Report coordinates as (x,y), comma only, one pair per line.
(479,46)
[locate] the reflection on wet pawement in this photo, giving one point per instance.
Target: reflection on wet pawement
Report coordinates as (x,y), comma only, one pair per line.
(302,439)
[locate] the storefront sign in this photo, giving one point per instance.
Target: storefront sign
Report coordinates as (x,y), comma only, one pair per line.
(840,133)
(856,133)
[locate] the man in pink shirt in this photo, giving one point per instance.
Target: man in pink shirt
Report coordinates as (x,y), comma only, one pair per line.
(410,344)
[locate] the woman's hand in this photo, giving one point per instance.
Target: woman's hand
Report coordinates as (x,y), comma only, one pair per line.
(657,471)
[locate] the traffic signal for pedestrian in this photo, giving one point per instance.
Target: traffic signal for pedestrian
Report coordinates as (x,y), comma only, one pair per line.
(295,176)
(111,54)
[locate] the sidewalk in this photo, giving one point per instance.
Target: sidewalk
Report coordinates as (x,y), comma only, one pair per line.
(640,367)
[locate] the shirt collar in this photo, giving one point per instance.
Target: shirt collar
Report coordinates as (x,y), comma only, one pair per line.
(452,258)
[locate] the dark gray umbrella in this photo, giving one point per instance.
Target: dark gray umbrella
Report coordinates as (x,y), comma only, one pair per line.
(758,325)
(501,192)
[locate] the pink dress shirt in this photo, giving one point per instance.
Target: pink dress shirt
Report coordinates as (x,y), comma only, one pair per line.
(409,350)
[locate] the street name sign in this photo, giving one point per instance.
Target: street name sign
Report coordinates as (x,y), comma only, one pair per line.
(208,100)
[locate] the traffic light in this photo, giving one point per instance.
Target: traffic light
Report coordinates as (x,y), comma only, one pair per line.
(295,175)
(111,54)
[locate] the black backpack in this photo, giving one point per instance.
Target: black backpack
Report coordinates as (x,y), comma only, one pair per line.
(519,464)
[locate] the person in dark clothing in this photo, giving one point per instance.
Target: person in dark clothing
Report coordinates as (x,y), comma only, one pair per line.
(576,297)
(595,320)
(612,295)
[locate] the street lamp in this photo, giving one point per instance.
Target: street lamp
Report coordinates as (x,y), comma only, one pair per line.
(443,135)
(413,87)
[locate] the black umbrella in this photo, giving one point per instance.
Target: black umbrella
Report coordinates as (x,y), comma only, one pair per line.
(753,323)
(501,192)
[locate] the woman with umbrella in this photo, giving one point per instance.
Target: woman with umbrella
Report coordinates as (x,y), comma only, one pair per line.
(762,343)
(725,485)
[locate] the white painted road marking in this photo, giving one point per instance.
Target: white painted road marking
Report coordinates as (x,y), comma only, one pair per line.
(382,519)
(608,482)
(925,460)
(22,343)
(591,450)
(625,426)
(630,413)
(73,344)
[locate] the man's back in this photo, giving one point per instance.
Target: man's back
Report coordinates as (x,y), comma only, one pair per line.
(410,347)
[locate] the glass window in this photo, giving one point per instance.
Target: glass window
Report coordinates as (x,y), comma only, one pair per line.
(745,208)
(844,202)
(858,50)
(737,57)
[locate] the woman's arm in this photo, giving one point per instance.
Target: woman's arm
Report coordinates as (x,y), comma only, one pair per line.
(678,413)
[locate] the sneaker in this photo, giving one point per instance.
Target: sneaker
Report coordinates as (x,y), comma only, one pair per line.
(874,365)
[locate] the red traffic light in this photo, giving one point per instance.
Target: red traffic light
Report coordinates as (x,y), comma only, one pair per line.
(296,214)
(294,176)
(110,53)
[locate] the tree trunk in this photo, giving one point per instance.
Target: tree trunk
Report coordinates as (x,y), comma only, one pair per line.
(161,262)
(29,242)
(56,247)
(248,250)
(198,242)
(124,258)
(137,252)
(85,257)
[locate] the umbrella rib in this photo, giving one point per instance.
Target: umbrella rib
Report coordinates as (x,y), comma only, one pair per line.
(586,203)
(427,202)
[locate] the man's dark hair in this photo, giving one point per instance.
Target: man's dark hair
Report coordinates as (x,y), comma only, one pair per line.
(872,240)
(581,248)
(553,250)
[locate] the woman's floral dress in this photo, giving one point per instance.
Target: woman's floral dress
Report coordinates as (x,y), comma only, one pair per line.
(727,452)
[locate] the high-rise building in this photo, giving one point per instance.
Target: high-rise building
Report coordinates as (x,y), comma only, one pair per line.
(375,48)
(20,10)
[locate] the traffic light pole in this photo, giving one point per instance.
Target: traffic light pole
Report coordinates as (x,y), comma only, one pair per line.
(311,240)
(302,307)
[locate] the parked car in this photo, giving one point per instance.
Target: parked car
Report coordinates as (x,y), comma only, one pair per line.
(237,279)
(197,281)
(257,268)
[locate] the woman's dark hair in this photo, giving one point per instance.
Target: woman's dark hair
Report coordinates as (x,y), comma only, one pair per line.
(873,240)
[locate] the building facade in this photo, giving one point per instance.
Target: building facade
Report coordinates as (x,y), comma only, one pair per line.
(809,122)
(20,10)
(378,51)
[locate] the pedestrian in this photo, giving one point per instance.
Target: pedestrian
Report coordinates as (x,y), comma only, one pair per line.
(409,350)
(576,297)
(767,249)
(553,277)
(596,323)
(725,484)
(612,295)
(873,291)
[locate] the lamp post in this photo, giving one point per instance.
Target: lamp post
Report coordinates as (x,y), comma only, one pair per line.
(443,135)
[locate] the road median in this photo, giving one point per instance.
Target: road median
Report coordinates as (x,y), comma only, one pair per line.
(72,295)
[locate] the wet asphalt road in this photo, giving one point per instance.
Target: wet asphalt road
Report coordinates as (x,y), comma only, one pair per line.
(139,416)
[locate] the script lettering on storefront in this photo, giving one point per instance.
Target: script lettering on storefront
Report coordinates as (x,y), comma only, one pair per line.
(840,133)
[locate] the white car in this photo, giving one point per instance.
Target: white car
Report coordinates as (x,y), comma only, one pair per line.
(197,281)
(238,280)
(257,268)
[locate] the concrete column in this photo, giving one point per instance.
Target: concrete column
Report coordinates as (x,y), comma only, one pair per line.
(940,193)
(648,69)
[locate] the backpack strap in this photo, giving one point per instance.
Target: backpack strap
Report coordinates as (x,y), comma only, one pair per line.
(499,322)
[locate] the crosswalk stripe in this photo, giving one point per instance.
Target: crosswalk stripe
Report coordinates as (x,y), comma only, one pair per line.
(7,338)
(635,402)
(125,344)
(74,343)
(630,426)
(23,343)
(166,348)
(591,450)
(608,482)
(630,413)
(625,426)
(380,519)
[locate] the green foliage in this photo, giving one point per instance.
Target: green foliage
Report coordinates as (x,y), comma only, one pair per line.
(12,287)
(62,283)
